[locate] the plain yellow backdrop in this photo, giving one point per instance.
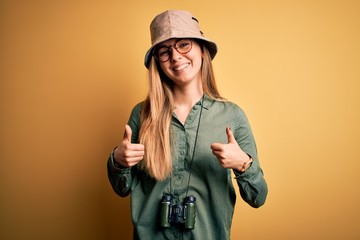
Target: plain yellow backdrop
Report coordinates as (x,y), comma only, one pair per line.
(70,72)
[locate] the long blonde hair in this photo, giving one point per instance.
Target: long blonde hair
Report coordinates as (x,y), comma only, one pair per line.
(156,115)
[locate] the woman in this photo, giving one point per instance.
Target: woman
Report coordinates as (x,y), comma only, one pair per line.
(182,142)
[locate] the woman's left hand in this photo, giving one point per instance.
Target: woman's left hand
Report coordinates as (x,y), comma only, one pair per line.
(230,155)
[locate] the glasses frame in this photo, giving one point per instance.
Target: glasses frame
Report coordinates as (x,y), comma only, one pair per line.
(155,52)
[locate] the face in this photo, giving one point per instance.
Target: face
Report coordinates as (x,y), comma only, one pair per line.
(184,60)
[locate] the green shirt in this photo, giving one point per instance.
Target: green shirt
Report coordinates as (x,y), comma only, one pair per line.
(210,183)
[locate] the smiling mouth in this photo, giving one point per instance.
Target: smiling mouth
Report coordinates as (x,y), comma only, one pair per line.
(181,67)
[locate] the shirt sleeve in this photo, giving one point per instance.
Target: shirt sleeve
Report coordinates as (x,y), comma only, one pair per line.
(252,185)
(121,179)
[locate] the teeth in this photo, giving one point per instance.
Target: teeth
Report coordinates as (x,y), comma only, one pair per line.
(181,67)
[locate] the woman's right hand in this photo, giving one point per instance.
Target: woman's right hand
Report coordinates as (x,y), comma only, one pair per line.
(128,154)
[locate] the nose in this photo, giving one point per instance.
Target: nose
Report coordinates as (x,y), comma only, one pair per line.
(175,55)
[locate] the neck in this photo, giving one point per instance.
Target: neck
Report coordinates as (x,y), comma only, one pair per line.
(184,101)
(188,95)
(187,98)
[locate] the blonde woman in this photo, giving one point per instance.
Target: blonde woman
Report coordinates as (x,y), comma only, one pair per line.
(182,142)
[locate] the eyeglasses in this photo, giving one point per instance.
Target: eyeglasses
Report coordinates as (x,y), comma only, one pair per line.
(182,46)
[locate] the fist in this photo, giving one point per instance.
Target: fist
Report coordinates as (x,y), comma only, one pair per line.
(229,154)
(128,154)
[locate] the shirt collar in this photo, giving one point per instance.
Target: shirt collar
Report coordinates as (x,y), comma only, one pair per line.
(206,101)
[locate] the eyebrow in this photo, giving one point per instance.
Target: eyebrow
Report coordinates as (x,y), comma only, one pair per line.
(164,45)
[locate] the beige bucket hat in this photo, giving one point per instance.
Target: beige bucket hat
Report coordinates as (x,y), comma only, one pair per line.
(176,24)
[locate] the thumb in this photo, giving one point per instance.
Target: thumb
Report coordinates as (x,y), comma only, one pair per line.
(128,133)
(230,135)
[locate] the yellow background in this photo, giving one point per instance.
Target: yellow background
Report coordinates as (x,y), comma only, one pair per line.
(72,70)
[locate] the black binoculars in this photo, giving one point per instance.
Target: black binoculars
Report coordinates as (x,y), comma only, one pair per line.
(178,214)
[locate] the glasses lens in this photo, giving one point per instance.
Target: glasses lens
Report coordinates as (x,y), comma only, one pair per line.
(163,54)
(183,46)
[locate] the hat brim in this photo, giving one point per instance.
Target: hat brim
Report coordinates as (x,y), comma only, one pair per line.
(211,46)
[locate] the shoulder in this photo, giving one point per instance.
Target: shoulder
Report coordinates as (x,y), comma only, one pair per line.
(137,109)
(226,105)
(135,122)
(135,114)
(232,112)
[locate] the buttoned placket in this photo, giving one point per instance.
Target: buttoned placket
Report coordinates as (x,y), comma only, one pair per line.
(184,135)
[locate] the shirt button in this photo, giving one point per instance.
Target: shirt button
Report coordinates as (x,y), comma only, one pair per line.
(179,181)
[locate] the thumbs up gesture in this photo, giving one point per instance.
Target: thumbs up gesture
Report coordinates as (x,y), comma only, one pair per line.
(128,154)
(230,155)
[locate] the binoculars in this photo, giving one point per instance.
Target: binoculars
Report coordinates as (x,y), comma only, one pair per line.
(182,214)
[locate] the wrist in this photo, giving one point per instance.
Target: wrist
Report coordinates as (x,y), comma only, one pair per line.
(115,163)
(245,166)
